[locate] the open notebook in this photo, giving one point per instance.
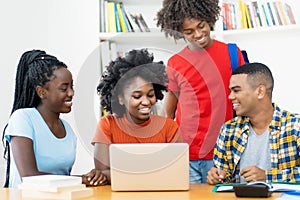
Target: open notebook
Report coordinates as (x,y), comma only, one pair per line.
(149,167)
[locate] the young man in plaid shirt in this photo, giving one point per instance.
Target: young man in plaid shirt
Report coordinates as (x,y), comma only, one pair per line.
(263,142)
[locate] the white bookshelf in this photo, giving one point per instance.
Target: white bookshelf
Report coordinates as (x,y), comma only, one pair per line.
(149,8)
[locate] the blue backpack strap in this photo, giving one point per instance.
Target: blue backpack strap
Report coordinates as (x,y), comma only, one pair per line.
(233,53)
(245,56)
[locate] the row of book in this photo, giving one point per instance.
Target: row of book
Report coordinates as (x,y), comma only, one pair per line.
(254,14)
(115,18)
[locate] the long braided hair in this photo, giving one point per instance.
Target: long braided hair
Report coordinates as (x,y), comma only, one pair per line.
(170,17)
(35,68)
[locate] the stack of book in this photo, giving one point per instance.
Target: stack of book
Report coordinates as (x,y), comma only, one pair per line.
(54,187)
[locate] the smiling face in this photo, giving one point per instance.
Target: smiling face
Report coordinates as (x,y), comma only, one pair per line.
(197,33)
(57,94)
(244,97)
(138,99)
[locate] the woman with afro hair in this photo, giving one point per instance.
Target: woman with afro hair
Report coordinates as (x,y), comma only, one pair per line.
(129,89)
(198,78)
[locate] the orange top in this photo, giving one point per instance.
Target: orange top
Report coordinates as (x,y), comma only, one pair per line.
(157,129)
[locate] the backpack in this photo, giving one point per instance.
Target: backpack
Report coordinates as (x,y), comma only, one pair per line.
(233,53)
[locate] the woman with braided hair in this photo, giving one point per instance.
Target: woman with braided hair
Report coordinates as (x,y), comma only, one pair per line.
(129,89)
(37,141)
(198,78)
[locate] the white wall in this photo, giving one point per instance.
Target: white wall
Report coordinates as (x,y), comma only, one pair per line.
(67,29)
(279,52)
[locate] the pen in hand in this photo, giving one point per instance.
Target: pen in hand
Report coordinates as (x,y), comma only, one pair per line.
(220,176)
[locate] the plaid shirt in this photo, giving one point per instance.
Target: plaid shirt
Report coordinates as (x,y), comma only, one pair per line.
(284,147)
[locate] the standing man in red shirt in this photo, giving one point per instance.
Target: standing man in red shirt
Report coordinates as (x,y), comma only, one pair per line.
(198,78)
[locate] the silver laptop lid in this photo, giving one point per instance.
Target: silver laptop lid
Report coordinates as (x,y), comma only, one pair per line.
(149,166)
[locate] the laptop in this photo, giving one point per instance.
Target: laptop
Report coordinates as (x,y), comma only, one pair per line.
(149,166)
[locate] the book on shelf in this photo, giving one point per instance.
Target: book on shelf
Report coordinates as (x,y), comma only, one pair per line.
(129,27)
(266,13)
(281,13)
(102,16)
(253,15)
(274,12)
(111,20)
(256,13)
(277,13)
(117,18)
(234,15)
(273,187)
(290,13)
(227,16)
(272,16)
(243,14)
(262,14)
(144,26)
(122,19)
(224,16)
(133,22)
(248,16)
(137,22)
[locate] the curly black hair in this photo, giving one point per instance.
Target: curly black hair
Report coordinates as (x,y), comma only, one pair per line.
(120,72)
(170,17)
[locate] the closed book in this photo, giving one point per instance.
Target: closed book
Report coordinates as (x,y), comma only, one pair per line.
(281,12)
(274,187)
(52,180)
(290,13)
(66,195)
(266,13)
(233,14)
(243,14)
(228,20)
(262,14)
(253,15)
(274,13)
(118,23)
(271,14)
(137,22)
(224,16)
(121,18)
(111,17)
(248,15)
(277,13)
(132,22)
(257,14)
(143,23)
(51,188)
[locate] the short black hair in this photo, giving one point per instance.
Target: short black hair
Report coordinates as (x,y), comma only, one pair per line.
(257,74)
(137,63)
(170,17)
